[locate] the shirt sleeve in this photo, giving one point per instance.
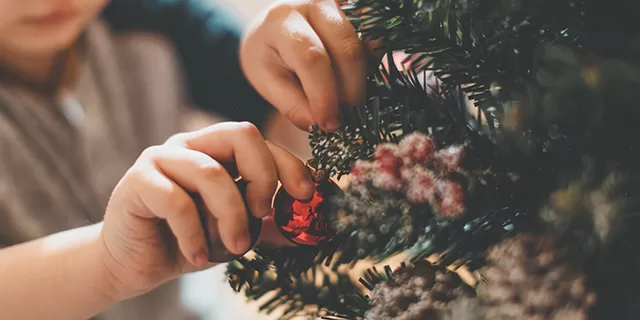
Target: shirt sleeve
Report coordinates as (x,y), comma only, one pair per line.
(207,41)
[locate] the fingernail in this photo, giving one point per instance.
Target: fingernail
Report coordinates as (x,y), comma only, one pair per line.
(332,125)
(242,243)
(201,258)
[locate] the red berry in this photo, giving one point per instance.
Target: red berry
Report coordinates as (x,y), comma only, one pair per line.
(385,151)
(386,173)
(361,173)
(385,158)
(416,148)
(449,199)
(449,159)
(420,184)
(387,181)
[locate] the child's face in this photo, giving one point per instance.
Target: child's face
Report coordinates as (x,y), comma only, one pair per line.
(43,27)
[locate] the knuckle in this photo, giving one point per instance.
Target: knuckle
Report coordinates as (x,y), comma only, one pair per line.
(279,11)
(292,113)
(212,170)
(178,139)
(182,205)
(313,55)
(352,51)
(134,174)
(151,153)
(135,177)
(248,129)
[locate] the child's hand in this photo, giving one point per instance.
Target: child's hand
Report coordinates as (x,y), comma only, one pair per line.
(304,57)
(152,230)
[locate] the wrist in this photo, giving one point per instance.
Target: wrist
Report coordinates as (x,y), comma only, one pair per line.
(108,284)
(119,282)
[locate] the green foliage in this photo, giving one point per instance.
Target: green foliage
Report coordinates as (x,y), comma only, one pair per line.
(556,84)
(309,293)
(486,47)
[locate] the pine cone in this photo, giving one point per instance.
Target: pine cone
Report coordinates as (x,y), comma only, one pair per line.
(421,291)
(529,277)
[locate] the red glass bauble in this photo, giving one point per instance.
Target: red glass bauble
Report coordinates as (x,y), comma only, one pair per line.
(305,222)
(301,222)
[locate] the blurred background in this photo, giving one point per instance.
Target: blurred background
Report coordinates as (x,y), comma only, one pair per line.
(207,292)
(248,9)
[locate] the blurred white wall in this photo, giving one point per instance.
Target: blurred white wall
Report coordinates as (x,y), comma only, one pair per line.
(249,8)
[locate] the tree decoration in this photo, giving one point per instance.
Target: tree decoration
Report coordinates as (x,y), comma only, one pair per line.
(505,144)
(307,222)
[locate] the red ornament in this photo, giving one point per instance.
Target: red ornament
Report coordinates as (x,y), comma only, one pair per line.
(301,222)
(305,222)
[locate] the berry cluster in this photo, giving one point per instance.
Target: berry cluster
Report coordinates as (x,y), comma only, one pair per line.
(414,167)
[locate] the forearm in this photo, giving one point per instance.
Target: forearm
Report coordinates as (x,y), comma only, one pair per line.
(61,276)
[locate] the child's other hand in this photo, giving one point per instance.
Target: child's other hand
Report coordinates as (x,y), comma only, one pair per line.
(304,57)
(152,231)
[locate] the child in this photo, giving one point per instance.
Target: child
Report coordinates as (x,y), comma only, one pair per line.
(81,98)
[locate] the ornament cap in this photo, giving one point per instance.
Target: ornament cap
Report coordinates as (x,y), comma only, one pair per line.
(316,175)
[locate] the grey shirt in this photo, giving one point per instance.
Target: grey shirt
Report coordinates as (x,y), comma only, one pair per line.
(61,156)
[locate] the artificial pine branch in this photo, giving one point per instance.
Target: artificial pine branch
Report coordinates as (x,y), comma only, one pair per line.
(399,103)
(483,46)
(557,84)
(312,293)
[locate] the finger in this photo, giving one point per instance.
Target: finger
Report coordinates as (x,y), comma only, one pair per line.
(243,143)
(198,172)
(280,87)
(166,200)
(304,53)
(344,47)
(292,173)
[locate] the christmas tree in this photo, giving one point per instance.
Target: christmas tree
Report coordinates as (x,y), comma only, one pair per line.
(497,160)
